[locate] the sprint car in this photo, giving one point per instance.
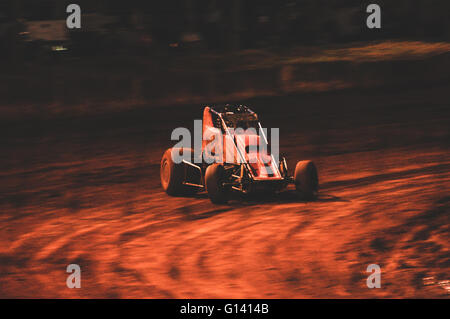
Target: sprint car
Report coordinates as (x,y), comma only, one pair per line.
(233,158)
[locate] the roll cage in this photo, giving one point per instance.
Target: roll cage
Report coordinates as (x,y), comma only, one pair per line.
(229,117)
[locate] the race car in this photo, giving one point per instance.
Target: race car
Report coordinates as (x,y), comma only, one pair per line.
(233,158)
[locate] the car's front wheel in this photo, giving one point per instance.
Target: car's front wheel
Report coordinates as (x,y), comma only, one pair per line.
(214,178)
(306,179)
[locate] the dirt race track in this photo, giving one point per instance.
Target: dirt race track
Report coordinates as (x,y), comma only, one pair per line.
(86,192)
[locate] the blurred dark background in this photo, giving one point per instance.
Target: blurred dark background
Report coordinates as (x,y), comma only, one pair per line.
(146,27)
(199,51)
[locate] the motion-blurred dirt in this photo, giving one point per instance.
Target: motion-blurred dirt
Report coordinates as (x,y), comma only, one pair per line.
(86,191)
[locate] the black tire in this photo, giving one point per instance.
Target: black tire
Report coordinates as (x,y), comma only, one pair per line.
(172,174)
(214,177)
(283,169)
(306,179)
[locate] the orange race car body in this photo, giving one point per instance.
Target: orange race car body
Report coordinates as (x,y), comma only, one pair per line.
(234,156)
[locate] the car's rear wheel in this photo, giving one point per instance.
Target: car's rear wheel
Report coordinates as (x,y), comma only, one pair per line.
(214,178)
(306,179)
(172,174)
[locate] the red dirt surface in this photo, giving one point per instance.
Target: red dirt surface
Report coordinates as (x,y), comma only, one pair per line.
(87,193)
